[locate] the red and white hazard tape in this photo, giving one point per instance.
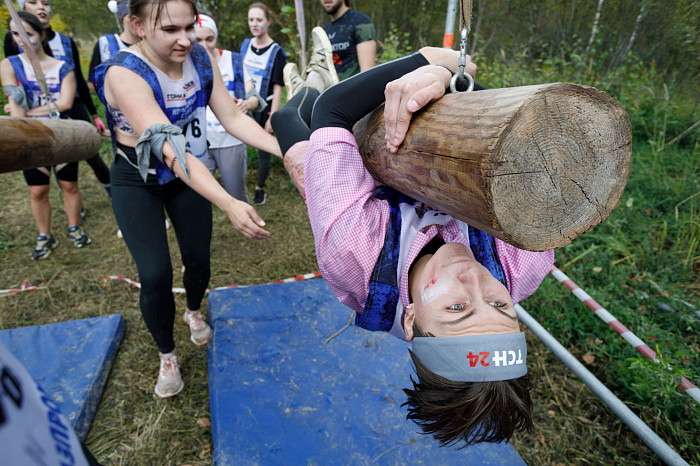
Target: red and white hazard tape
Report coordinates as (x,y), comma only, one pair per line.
(623,331)
(298,278)
(25,286)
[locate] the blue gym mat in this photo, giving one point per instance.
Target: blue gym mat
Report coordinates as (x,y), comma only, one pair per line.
(281,394)
(70,360)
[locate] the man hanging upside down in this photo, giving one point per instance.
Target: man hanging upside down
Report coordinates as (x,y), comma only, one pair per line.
(405,268)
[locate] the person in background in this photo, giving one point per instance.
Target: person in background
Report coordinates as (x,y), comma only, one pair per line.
(352,36)
(109,44)
(63,48)
(226,152)
(26,99)
(263,62)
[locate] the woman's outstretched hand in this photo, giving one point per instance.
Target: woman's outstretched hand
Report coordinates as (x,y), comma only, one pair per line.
(246,220)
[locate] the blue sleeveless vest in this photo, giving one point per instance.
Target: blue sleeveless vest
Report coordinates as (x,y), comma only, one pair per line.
(237,85)
(265,84)
(383,295)
(32,88)
(113,46)
(128,60)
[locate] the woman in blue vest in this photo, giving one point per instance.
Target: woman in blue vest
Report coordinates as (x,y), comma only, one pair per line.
(26,99)
(63,48)
(263,62)
(156,93)
(226,152)
(109,44)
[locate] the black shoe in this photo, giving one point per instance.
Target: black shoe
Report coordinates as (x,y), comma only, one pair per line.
(260,197)
(78,237)
(44,245)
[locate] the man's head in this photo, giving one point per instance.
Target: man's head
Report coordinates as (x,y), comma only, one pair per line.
(460,319)
(335,8)
(454,295)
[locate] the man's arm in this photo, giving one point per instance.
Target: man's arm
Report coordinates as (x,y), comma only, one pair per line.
(366,52)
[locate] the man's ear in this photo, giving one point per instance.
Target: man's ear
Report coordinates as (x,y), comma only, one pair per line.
(409,317)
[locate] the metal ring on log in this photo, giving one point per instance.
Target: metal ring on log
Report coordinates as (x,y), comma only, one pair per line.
(535,166)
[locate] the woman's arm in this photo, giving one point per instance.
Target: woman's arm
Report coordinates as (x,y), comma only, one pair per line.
(276,100)
(129,93)
(237,123)
(8,78)
(65,99)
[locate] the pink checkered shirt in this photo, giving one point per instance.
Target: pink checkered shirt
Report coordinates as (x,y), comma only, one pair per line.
(349,226)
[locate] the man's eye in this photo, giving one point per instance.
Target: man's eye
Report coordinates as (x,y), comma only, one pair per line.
(456,307)
(498,303)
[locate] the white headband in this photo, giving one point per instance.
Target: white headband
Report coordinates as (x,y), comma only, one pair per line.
(204,21)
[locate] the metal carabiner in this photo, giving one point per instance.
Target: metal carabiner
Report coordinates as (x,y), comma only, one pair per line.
(462,65)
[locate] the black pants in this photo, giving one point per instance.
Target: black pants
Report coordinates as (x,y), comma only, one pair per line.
(140,211)
(264,158)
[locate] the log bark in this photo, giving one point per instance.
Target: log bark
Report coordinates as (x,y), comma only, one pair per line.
(534,166)
(42,142)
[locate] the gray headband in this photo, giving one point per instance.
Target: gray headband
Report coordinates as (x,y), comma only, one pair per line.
(477,358)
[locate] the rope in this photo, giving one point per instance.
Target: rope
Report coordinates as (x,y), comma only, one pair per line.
(465,17)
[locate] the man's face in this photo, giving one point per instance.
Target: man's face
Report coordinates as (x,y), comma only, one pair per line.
(458,296)
(331,6)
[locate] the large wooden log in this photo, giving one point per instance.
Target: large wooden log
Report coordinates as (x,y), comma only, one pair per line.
(42,142)
(534,166)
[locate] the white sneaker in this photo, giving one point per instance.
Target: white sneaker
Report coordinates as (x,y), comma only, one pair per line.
(321,60)
(292,80)
(200,331)
(169,379)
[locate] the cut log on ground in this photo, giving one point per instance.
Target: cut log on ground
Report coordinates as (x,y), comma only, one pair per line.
(43,142)
(535,166)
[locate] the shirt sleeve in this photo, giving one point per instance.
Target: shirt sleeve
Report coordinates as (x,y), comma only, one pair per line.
(83,90)
(94,61)
(524,270)
(277,70)
(364,29)
(348,222)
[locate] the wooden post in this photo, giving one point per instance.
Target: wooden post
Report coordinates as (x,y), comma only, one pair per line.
(42,142)
(534,166)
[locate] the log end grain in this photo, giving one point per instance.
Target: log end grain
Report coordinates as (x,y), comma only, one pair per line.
(560,166)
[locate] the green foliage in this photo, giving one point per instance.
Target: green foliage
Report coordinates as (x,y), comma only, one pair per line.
(396,44)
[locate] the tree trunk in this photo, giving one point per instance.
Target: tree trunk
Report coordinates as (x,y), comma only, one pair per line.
(534,166)
(38,142)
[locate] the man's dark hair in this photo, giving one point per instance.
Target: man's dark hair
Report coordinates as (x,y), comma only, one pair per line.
(469,412)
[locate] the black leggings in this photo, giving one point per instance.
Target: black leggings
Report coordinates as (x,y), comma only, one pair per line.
(140,211)
(264,158)
(342,105)
(98,166)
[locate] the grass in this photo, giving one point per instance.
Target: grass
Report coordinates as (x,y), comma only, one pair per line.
(658,272)
(641,264)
